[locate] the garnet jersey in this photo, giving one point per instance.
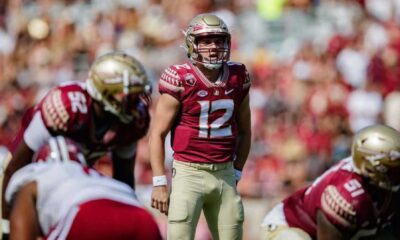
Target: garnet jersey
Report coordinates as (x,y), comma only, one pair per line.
(61,187)
(68,110)
(346,199)
(205,129)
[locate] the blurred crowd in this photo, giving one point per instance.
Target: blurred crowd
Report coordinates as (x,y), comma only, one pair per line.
(321,69)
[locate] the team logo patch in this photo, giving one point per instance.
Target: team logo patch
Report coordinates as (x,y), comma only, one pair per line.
(202,93)
(198,27)
(190,79)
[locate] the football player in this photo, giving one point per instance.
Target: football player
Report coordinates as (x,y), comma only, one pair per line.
(107,113)
(205,104)
(59,197)
(356,198)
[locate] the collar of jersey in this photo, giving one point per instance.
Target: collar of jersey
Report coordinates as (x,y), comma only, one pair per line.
(222,79)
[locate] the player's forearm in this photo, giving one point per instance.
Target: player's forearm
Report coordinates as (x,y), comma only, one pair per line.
(157,154)
(244,134)
(7,175)
(24,219)
(21,157)
(243,149)
(123,169)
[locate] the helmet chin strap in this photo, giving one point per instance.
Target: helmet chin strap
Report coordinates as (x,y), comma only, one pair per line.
(213,66)
(210,66)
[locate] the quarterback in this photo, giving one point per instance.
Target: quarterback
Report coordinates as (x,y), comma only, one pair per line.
(355,199)
(204,102)
(58,197)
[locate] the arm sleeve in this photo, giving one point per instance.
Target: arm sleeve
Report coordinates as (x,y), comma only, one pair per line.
(36,134)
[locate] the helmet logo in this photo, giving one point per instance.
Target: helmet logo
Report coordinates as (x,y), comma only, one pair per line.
(198,27)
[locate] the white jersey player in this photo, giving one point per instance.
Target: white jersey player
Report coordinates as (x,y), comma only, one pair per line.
(58,197)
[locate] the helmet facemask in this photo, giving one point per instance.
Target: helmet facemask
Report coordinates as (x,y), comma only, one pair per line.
(379,174)
(211,58)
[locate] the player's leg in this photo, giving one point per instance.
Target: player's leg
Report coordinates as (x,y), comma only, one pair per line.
(5,157)
(185,201)
(224,209)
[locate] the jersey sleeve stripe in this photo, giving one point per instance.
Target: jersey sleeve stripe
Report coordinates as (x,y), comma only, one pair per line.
(337,207)
(170,86)
(171,72)
(172,79)
(54,112)
(60,108)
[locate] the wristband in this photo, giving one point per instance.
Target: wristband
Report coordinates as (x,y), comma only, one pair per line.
(238,175)
(5,226)
(160,181)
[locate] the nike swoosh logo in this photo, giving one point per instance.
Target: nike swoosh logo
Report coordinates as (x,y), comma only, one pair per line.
(228,91)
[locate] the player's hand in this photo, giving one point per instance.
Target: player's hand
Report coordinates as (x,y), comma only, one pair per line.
(159,199)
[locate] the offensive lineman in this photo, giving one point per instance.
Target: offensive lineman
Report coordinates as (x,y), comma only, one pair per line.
(358,197)
(59,197)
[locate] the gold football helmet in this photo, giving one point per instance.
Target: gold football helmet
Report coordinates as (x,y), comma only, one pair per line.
(376,155)
(118,80)
(207,25)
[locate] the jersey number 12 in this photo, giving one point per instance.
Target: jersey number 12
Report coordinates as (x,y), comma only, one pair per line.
(216,128)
